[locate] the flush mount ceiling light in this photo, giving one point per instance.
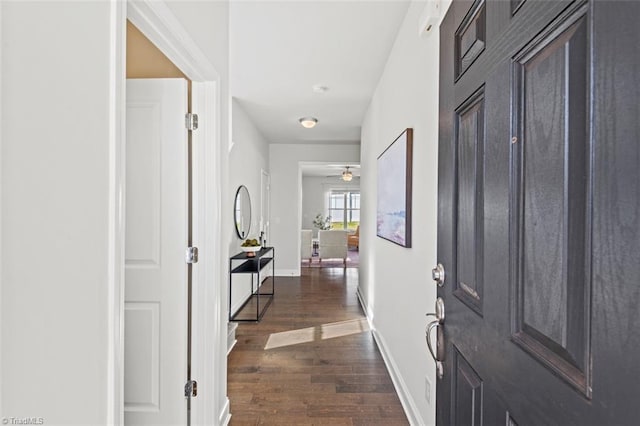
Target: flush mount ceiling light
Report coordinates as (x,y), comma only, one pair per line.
(347,175)
(308,122)
(318,88)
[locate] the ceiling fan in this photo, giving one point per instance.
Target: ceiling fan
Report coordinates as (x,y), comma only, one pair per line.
(346,175)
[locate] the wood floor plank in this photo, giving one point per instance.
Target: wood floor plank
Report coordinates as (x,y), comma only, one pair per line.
(350,411)
(365,388)
(303,421)
(312,359)
(378,422)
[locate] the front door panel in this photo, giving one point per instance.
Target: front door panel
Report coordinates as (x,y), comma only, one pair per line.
(467,407)
(538,212)
(470,155)
(550,196)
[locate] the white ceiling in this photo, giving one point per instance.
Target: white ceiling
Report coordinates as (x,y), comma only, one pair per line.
(329,170)
(280,50)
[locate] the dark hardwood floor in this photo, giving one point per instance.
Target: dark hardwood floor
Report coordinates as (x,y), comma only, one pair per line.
(311,360)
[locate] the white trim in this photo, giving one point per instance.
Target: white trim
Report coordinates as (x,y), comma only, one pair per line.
(231,346)
(236,306)
(216,315)
(231,329)
(156,21)
(116,231)
(265,217)
(208,308)
(159,25)
(365,308)
(410,408)
(230,127)
(299,194)
(1,243)
(225,415)
(287,272)
(429,19)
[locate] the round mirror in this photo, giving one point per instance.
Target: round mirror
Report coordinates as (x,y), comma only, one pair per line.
(242,212)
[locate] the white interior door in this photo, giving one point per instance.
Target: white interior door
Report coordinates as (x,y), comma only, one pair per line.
(156,239)
(265,197)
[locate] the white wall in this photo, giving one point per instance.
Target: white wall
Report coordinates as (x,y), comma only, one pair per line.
(286,195)
(56,125)
(248,157)
(55,206)
(314,201)
(394,281)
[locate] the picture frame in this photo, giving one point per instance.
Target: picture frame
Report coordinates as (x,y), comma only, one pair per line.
(394,202)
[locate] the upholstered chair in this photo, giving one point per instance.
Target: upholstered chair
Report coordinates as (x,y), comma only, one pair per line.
(353,240)
(306,245)
(332,245)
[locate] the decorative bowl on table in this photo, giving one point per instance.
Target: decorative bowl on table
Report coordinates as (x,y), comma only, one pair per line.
(250,247)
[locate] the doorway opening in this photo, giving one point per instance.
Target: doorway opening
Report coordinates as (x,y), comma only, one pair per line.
(158,24)
(158,207)
(330,214)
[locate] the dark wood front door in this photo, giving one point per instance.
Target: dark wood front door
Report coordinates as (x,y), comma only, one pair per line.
(539,213)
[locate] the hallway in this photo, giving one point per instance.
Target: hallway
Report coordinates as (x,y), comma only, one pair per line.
(312,359)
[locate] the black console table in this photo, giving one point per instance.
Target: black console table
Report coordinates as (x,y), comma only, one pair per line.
(243,264)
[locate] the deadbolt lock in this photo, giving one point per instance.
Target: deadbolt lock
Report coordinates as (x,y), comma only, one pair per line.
(437,274)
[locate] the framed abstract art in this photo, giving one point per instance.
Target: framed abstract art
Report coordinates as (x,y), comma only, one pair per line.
(394,190)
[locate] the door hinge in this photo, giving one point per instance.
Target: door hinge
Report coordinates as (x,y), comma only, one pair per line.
(191,256)
(191,121)
(191,389)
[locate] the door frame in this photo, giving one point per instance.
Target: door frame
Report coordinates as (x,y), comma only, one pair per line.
(1,210)
(265,204)
(155,20)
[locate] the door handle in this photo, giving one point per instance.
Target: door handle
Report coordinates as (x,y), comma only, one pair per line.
(439,313)
(438,353)
(437,356)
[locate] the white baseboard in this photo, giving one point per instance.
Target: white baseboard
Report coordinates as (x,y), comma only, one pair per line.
(406,400)
(239,303)
(364,307)
(225,416)
(246,296)
(231,336)
(287,273)
(233,345)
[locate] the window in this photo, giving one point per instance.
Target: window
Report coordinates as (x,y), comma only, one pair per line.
(344,209)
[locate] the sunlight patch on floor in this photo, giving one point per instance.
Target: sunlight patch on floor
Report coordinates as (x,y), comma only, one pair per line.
(321,332)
